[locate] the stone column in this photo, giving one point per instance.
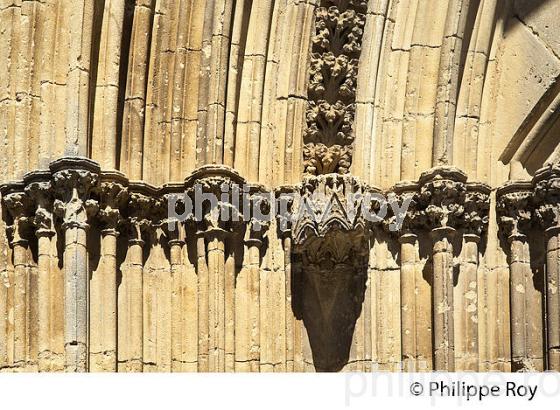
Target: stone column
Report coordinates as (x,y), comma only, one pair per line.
(442,197)
(213,189)
(215,249)
(103,289)
(284,200)
(409,288)
(408,242)
(203,321)
(23,297)
(38,188)
(547,198)
(514,210)
(442,259)
(130,292)
(552,298)
(176,242)
(254,242)
(73,180)
(474,224)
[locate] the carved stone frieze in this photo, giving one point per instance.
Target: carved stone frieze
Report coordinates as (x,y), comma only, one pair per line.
(331,106)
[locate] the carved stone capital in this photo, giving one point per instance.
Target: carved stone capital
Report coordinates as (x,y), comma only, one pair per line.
(38,186)
(113,196)
(260,208)
(514,208)
(216,192)
(547,196)
(73,180)
(477,205)
(442,196)
(410,218)
(145,212)
(19,207)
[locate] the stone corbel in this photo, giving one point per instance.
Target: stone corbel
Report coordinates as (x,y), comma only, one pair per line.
(331,234)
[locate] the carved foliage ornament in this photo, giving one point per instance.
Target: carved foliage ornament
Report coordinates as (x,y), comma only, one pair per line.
(330,203)
(442,197)
(547,196)
(331,107)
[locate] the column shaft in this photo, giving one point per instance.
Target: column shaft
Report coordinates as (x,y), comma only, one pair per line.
(553,298)
(408,301)
(20,317)
(203,322)
(466,307)
(130,310)
(216,301)
(444,346)
(76,298)
(103,339)
(45,338)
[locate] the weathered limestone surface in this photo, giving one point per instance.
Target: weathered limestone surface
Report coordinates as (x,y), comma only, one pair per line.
(109,108)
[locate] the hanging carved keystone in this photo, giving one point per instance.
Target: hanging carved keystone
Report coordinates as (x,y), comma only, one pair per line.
(331,235)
